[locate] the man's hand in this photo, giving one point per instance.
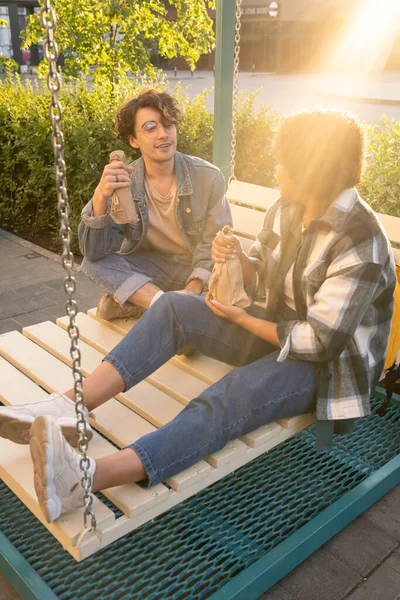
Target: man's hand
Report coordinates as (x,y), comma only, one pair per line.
(230,313)
(116,175)
(225,247)
(195,286)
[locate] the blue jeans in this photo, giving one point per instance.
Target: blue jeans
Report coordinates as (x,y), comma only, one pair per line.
(261,390)
(121,276)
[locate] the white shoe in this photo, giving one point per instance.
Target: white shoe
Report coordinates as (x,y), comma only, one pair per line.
(57,474)
(16,421)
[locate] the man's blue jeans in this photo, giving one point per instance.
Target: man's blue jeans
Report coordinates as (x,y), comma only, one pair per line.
(261,390)
(121,276)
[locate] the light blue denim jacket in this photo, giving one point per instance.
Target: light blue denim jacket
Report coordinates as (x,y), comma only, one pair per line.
(201,211)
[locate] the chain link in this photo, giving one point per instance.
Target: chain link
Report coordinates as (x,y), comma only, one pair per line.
(235,93)
(48,20)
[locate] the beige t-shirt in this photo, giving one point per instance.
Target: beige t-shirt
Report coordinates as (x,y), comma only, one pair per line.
(163,233)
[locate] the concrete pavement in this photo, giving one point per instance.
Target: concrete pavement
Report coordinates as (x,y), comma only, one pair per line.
(362,562)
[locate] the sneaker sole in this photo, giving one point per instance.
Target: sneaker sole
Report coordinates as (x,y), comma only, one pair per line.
(17,430)
(42,453)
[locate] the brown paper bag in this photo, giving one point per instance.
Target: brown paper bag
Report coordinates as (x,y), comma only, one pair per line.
(226,282)
(123,209)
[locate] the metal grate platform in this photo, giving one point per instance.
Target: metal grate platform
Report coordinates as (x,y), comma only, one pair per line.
(258,522)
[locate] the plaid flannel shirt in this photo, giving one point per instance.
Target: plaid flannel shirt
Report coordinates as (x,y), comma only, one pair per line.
(343,283)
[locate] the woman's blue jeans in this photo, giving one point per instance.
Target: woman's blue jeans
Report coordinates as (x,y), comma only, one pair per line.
(259,391)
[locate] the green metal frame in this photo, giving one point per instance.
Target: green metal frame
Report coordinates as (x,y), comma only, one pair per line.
(269,569)
(20,574)
(265,572)
(223,88)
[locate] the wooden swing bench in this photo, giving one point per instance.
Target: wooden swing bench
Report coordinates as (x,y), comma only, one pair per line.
(37,362)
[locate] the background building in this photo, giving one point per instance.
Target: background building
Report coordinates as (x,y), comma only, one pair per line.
(16,14)
(293,39)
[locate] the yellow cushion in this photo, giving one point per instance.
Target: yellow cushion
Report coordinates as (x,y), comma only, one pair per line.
(394,338)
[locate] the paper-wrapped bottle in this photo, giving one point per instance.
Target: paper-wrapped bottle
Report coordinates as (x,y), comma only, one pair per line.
(123,209)
(226,281)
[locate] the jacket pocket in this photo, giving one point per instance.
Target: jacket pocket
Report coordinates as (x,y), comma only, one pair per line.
(194,225)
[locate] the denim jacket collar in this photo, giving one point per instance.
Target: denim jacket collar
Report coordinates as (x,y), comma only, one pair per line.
(185,187)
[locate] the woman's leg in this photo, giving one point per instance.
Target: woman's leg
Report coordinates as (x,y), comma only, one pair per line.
(175,321)
(104,383)
(245,399)
(120,468)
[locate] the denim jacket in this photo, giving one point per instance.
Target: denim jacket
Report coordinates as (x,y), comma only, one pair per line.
(201,211)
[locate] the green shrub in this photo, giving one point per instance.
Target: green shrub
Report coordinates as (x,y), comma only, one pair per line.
(8,65)
(255,133)
(28,198)
(380,186)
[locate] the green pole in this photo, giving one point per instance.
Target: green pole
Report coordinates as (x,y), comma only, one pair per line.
(223,86)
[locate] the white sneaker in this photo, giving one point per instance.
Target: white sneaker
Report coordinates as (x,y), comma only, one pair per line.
(57,474)
(16,421)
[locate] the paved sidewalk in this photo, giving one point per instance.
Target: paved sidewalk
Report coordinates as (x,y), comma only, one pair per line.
(360,563)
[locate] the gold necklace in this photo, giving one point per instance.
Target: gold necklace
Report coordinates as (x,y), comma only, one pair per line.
(162,201)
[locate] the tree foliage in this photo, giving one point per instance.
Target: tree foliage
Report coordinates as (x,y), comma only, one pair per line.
(118,36)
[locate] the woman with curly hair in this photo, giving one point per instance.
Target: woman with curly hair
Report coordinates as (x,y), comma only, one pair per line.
(323,265)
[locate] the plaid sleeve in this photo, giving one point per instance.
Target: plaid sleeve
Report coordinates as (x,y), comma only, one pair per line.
(257,289)
(337,309)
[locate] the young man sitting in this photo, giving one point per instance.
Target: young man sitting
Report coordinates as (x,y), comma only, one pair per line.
(181,204)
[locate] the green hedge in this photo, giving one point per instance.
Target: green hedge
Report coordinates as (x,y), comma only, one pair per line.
(28,202)
(380,186)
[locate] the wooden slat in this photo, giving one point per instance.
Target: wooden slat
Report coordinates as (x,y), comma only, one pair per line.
(187,478)
(131,499)
(207,369)
(231,453)
(246,221)
(262,435)
(113,419)
(272,432)
(123,526)
(251,194)
(122,429)
(168,378)
(292,421)
(147,400)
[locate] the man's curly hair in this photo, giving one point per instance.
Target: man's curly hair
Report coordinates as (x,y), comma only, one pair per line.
(125,120)
(322,151)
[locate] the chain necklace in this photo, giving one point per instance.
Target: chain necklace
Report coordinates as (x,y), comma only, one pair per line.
(163,202)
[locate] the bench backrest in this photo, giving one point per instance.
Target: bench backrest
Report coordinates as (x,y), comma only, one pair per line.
(249,203)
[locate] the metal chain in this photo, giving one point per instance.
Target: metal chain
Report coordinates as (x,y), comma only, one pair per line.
(235,94)
(48,20)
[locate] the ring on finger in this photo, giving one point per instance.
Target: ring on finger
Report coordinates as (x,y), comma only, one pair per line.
(116,178)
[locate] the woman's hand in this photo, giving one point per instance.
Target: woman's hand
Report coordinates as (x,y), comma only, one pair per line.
(225,247)
(230,313)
